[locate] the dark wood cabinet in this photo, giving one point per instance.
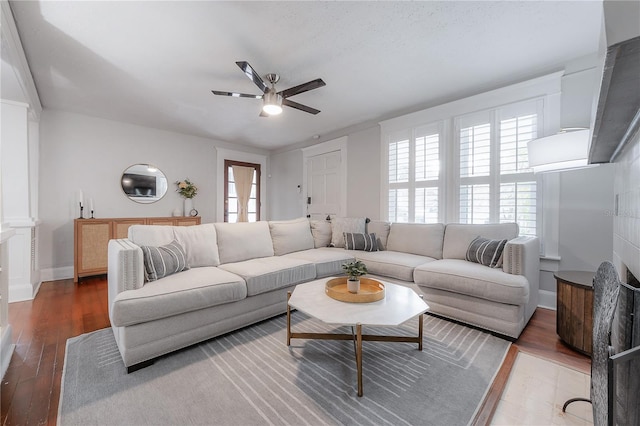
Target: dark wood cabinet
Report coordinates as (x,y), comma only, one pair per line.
(574,316)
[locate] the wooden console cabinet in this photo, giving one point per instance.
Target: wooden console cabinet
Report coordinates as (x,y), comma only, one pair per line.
(91,239)
(574,317)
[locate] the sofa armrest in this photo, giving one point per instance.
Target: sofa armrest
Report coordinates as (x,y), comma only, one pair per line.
(522,257)
(125,268)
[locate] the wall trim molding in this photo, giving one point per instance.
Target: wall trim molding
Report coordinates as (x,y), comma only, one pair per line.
(548,299)
(19,61)
(54,274)
(21,292)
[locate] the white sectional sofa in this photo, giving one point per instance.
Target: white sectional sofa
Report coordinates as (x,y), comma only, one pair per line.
(240,273)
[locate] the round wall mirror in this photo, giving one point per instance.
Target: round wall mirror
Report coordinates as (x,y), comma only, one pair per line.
(144,183)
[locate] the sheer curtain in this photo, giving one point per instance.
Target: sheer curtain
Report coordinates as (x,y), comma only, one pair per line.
(243,177)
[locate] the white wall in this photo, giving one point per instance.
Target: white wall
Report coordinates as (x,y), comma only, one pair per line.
(78,152)
(586,221)
(585,225)
(363,178)
(364,173)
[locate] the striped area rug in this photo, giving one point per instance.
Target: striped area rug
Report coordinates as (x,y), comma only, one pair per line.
(250,377)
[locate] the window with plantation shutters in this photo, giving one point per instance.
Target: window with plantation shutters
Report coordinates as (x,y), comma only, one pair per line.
(496,184)
(518,186)
(467,160)
(482,177)
(414,175)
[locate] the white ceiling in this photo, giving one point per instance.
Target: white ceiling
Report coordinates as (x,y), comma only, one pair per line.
(154,63)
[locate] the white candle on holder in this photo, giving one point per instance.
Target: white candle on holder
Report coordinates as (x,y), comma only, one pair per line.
(91,204)
(79,197)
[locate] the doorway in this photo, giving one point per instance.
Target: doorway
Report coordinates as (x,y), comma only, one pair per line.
(325,179)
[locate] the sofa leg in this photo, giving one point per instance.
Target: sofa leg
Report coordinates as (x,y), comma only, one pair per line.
(138,366)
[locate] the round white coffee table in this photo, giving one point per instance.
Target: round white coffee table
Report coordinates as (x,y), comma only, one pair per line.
(399,305)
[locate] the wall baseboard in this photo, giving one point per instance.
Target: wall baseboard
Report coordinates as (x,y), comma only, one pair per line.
(22,292)
(547,299)
(53,274)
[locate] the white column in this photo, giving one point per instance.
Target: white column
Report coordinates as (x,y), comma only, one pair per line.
(17,189)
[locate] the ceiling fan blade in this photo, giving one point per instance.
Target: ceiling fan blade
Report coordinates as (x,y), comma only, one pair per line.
(301,107)
(252,74)
(305,87)
(236,95)
(263,114)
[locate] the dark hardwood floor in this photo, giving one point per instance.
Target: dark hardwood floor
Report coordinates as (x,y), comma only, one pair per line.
(31,386)
(40,329)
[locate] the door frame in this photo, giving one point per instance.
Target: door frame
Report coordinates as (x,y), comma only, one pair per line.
(256,167)
(227,154)
(339,144)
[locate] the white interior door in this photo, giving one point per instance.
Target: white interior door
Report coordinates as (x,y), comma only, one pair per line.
(324,185)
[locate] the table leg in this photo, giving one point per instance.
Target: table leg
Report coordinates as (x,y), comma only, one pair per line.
(359,356)
(420,320)
(288,319)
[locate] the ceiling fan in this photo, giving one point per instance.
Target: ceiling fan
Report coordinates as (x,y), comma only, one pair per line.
(272,100)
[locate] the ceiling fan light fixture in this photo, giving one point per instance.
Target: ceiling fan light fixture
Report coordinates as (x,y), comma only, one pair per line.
(272,103)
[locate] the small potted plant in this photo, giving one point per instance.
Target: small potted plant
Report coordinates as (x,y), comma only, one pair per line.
(354,271)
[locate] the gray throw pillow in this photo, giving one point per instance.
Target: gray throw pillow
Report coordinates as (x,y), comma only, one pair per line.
(356,241)
(163,261)
(486,252)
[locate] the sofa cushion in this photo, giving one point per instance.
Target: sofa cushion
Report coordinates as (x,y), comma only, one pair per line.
(486,252)
(327,260)
(291,235)
(381,229)
(188,291)
(243,241)
(321,231)
(270,273)
(364,242)
(200,243)
(391,263)
(417,238)
(473,279)
(458,236)
(150,235)
(162,261)
(340,225)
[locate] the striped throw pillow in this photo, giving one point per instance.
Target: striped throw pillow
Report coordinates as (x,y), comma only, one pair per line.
(163,261)
(486,252)
(365,242)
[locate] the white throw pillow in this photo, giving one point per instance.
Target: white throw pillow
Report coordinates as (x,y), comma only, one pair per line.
(151,235)
(321,231)
(200,243)
(340,225)
(423,239)
(290,235)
